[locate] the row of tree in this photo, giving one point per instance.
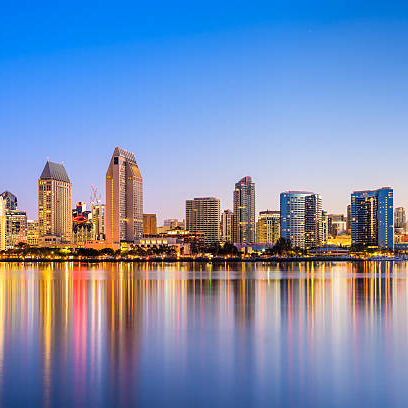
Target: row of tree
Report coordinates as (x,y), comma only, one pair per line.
(282,248)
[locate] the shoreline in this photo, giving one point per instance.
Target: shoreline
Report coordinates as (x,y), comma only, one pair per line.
(201,260)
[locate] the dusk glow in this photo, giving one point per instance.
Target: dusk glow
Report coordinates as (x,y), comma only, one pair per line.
(299,95)
(204,204)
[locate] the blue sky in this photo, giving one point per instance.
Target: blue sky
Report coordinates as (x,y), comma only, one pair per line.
(299,95)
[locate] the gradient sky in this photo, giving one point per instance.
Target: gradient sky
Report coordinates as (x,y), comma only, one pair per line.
(297,94)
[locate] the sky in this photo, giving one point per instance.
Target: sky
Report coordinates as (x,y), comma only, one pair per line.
(297,94)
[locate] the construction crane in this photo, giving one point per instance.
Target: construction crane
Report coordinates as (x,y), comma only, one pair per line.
(95,198)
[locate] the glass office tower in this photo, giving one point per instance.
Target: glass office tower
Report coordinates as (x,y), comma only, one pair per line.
(301,218)
(372,218)
(244,211)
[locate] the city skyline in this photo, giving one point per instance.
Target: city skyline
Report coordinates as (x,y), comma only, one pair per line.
(32,214)
(198,191)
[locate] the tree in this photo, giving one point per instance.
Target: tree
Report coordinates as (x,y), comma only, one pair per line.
(282,247)
(87,252)
(107,252)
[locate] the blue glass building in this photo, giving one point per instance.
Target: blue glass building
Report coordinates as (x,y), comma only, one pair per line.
(372,218)
(301,218)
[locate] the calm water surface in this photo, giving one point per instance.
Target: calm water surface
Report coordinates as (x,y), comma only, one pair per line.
(302,334)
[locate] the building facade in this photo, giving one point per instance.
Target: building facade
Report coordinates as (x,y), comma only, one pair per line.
(82,225)
(149,224)
(268,227)
(32,232)
(372,218)
(244,211)
(337,224)
(348,220)
(16,228)
(301,218)
(124,198)
(227,226)
(2,224)
(10,200)
(400,220)
(54,204)
(325,227)
(203,216)
(98,221)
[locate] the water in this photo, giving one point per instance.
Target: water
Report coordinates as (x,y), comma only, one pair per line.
(198,335)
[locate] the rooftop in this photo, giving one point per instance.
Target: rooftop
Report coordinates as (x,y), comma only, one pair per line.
(372,191)
(54,171)
(124,153)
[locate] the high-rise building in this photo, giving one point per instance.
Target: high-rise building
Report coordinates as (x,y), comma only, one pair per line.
(124,198)
(32,232)
(149,224)
(372,218)
(54,204)
(10,200)
(301,218)
(203,216)
(244,211)
(400,219)
(337,224)
(227,226)
(98,221)
(16,228)
(16,221)
(2,224)
(268,227)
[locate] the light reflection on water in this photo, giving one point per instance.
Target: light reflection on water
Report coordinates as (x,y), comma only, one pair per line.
(224,335)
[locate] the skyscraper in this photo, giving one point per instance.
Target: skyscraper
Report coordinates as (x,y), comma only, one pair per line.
(227,226)
(54,204)
(372,218)
(244,211)
(268,227)
(301,218)
(203,216)
(124,198)
(98,221)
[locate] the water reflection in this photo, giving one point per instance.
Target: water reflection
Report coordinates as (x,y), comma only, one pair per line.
(245,334)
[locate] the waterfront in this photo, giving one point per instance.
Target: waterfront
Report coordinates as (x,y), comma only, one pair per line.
(245,334)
